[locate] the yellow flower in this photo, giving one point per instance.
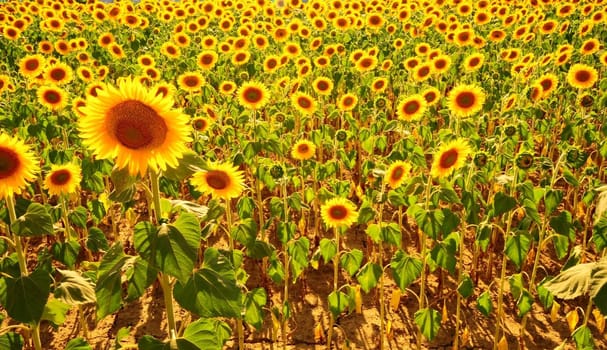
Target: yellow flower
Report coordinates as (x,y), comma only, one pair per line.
(63,179)
(303,149)
(466,100)
(582,76)
(397,173)
(219,180)
(52,97)
(411,108)
(450,157)
(18,165)
(338,212)
(136,126)
(253,95)
(304,103)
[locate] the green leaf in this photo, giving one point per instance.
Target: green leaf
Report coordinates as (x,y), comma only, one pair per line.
(428,320)
(11,341)
(245,207)
(561,245)
(55,311)
(429,221)
(206,334)
(374,231)
(552,199)
(78,217)
(502,203)
(369,276)
(96,240)
(147,342)
(124,185)
(260,249)
(466,286)
(524,303)
(27,295)
(78,344)
(328,249)
(443,254)
(484,304)
(583,338)
(298,251)
(338,302)
(546,298)
(245,231)
(597,286)
(562,224)
(254,302)
(517,247)
(351,261)
(74,289)
(212,291)
(121,335)
(599,232)
(35,222)
(405,269)
(571,283)
(171,248)
(139,276)
(66,252)
(516,285)
(286,231)
(108,289)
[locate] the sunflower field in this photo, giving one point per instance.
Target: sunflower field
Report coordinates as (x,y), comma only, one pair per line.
(288,174)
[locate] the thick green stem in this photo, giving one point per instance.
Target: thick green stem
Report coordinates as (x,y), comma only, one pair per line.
(335,281)
(66,221)
(285,300)
(422,289)
(83,325)
(156,196)
(167,293)
(36,336)
(10,203)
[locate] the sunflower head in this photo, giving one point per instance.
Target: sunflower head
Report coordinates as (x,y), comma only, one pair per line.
(397,173)
(449,157)
(465,100)
(303,149)
(63,179)
(338,212)
(253,95)
(220,180)
(411,108)
(582,76)
(18,166)
(136,126)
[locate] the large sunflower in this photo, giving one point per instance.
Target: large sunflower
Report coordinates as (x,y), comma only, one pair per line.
(465,100)
(18,165)
(450,157)
(548,82)
(397,173)
(411,108)
(582,76)
(303,149)
(52,97)
(63,179)
(58,73)
(219,180)
(338,212)
(137,126)
(32,65)
(253,95)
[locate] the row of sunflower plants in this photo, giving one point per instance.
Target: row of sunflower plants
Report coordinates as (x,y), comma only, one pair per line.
(222,152)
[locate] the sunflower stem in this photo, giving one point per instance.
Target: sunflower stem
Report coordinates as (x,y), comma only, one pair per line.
(239,327)
(285,300)
(335,280)
(66,221)
(10,203)
(422,289)
(36,336)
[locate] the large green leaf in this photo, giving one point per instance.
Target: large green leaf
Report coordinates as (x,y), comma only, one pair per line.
(571,283)
(484,304)
(11,341)
(171,248)
(55,312)
(502,203)
(108,289)
(428,320)
(96,240)
(517,247)
(254,302)
(338,302)
(66,252)
(328,249)
(598,285)
(74,289)
(212,291)
(139,276)
(351,261)
(35,222)
(208,334)
(368,277)
(405,269)
(583,338)
(562,223)
(78,344)
(298,251)
(27,295)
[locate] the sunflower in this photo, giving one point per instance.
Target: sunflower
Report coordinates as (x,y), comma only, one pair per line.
(397,173)
(347,102)
(411,108)
(146,60)
(322,86)
(31,65)
(85,74)
(338,212)
(465,100)
(58,73)
(253,95)
(303,149)
(170,50)
(411,63)
(240,57)
(201,124)
(548,82)
(116,51)
(46,47)
(590,46)
(441,64)
(366,63)
(52,97)
(190,81)
(63,179)
(431,95)
(379,85)
(137,126)
(227,87)
(473,62)
(207,59)
(450,157)
(220,180)
(18,165)
(582,76)
(304,103)
(422,72)
(603,59)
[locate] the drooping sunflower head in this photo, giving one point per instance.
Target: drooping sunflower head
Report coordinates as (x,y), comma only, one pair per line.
(253,95)
(18,165)
(449,157)
(220,180)
(338,212)
(136,126)
(411,108)
(397,173)
(303,149)
(465,100)
(582,76)
(63,179)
